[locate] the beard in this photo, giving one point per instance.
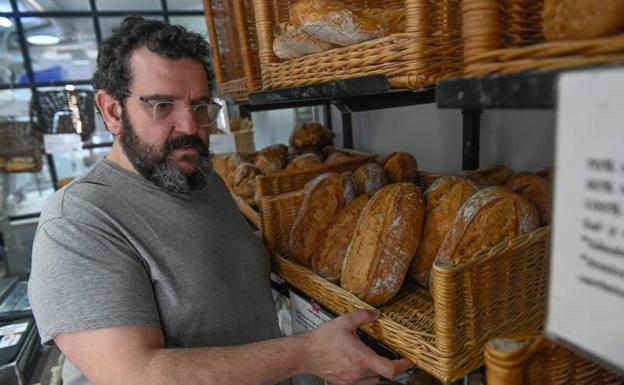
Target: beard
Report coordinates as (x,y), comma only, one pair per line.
(156,164)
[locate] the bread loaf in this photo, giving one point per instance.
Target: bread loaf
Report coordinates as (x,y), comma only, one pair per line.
(244,181)
(20,163)
(349,187)
(304,161)
(537,190)
(493,175)
(581,19)
(331,251)
(335,22)
(311,135)
(271,159)
(323,198)
(370,178)
(337,157)
(386,238)
(401,167)
(291,42)
(443,200)
(490,216)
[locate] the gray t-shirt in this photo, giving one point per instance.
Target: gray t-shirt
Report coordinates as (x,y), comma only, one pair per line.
(112,249)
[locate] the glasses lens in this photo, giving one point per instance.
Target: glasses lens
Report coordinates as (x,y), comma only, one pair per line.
(206,114)
(162,110)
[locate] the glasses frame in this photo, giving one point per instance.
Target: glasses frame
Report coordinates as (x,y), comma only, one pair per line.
(154,103)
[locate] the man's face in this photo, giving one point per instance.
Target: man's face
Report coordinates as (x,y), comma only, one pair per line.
(171,152)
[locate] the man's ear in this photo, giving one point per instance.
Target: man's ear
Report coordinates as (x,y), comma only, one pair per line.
(110,108)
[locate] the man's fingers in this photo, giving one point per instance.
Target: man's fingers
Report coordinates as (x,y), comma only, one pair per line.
(359,317)
(385,367)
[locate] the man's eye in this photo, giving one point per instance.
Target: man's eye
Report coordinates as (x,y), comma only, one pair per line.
(163,106)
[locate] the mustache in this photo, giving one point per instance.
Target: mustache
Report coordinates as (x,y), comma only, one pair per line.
(187,141)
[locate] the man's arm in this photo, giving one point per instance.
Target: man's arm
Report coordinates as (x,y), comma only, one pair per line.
(137,355)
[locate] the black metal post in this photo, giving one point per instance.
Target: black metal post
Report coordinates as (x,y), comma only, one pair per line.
(470,139)
(96,22)
(347,124)
(52,168)
(328,121)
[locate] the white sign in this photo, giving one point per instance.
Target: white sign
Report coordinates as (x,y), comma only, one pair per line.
(18,108)
(9,340)
(586,298)
(222,144)
(55,143)
(306,315)
(13,328)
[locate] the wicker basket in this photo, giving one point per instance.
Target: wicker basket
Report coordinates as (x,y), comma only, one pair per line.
(500,291)
(505,36)
(232,31)
(287,181)
(533,360)
(429,50)
(20,147)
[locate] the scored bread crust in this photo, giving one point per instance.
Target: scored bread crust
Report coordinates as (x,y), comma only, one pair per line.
(386,238)
(536,189)
(370,178)
(443,200)
(490,216)
(332,249)
(401,167)
(323,198)
(493,175)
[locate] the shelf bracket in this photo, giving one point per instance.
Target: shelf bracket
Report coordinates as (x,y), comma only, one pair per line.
(471,126)
(347,123)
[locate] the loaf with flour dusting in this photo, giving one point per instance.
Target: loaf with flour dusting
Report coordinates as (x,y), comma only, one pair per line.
(385,240)
(534,188)
(490,216)
(371,178)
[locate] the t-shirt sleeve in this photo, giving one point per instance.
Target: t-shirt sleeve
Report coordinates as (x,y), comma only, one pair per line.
(84,277)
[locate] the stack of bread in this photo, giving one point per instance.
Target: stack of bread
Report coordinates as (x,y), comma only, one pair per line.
(320,25)
(369,230)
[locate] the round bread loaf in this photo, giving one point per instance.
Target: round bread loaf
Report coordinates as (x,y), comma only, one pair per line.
(493,175)
(443,200)
(332,249)
(310,135)
(386,238)
(401,168)
(244,181)
(537,190)
(490,216)
(271,159)
(371,178)
(304,161)
(337,157)
(324,197)
(291,42)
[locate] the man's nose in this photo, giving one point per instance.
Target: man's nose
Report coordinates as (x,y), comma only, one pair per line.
(186,122)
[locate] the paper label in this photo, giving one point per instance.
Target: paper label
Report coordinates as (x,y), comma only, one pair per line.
(55,143)
(222,144)
(10,340)
(13,328)
(586,295)
(306,315)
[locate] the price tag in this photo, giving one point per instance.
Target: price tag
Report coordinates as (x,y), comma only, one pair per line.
(222,144)
(55,143)
(586,295)
(306,315)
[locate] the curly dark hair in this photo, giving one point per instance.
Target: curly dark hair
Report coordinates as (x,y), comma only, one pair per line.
(113,74)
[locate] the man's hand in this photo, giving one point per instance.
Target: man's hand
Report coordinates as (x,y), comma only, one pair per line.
(336,354)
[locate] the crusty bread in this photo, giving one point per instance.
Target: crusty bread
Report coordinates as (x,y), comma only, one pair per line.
(330,253)
(304,161)
(291,42)
(386,238)
(323,198)
(271,159)
(371,178)
(537,190)
(20,163)
(581,19)
(337,157)
(493,175)
(490,216)
(338,23)
(244,181)
(443,200)
(401,167)
(349,187)
(313,135)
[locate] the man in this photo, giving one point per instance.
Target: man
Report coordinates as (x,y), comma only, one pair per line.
(143,270)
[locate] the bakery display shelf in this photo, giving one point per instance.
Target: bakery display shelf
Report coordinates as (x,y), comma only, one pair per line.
(356,94)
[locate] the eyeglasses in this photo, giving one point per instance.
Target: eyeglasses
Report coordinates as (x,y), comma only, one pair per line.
(206,113)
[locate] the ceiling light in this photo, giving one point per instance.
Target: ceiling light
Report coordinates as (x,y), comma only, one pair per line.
(43,39)
(5,22)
